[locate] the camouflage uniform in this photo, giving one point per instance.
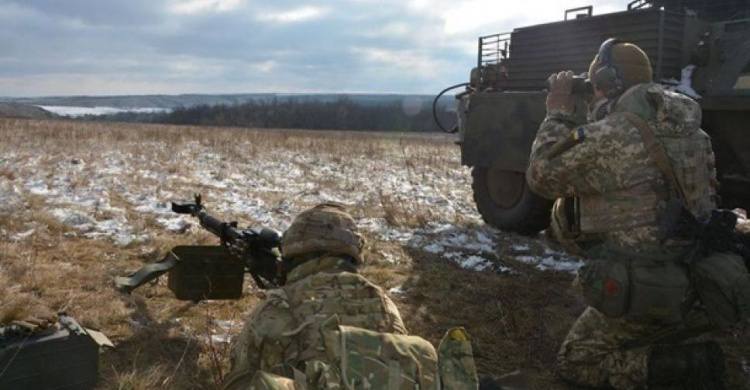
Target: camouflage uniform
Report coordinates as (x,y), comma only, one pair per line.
(621,195)
(282,332)
(330,326)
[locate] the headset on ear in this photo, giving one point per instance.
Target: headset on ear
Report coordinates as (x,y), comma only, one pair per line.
(607,77)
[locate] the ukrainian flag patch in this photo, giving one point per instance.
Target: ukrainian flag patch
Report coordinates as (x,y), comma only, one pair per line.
(578,134)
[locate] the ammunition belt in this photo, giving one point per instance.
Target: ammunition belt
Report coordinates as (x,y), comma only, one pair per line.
(28,327)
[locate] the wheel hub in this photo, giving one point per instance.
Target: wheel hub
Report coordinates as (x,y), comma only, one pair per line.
(505,187)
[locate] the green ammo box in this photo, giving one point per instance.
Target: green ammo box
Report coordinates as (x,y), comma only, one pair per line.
(64,356)
(205,272)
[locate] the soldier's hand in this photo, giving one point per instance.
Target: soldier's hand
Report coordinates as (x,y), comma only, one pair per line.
(561,83)
(560,99)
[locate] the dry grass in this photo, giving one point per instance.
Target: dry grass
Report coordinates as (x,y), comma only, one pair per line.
(516,321)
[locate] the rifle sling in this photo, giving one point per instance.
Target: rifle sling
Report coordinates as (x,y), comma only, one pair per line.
(144,275)
(657,152)
(690,327)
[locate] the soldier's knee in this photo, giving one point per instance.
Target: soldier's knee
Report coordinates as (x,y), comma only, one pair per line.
(565,368)
(578,365)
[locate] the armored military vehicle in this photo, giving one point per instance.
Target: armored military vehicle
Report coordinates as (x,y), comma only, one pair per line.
(698,47)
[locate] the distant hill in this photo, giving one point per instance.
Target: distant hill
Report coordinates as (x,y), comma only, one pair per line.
(192,100)
(19,110)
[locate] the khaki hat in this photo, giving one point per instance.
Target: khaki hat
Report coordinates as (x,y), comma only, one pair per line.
(632,64)
(327,228)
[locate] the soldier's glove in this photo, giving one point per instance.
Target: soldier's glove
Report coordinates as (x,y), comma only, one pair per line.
(560,98)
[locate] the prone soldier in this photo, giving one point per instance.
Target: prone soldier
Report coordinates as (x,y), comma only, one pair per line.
(328,325)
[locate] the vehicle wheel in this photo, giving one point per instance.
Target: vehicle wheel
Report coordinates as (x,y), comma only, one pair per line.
(506,202)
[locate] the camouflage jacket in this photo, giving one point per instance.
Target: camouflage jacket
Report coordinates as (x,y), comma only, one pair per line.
(282,332)
(606,165)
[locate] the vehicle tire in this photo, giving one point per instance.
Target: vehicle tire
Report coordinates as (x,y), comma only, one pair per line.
(506,202)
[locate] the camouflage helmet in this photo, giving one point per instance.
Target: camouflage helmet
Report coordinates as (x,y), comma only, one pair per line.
(326,227)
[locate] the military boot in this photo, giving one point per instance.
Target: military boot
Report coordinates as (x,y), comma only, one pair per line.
(698,366)
(515,380)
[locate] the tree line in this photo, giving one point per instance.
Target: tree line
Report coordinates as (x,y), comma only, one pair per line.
(407,115)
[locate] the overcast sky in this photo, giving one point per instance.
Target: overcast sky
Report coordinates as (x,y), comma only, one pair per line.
(107,47)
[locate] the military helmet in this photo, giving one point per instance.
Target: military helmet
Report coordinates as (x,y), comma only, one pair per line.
(618,66)
(326,227)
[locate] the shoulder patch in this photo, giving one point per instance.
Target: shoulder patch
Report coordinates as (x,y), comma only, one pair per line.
(277,298)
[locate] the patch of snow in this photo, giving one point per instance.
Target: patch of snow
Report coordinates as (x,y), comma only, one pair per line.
(521,247)
(10,197)
(75,112)
(398,290)
(501,269)
(124,239)
(72,218)
(226,324)
(22,236)
(390,258)
(38,187)
(476,263)
(81,189)
(323,196)
(135,324)
(111,225)
(221,338)
(395,235)
(551,263)
(384,231)
(442,227)
(149,204)
(178,225)
(371,224)
(434,248)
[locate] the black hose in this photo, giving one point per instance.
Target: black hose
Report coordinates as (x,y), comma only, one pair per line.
(434,108)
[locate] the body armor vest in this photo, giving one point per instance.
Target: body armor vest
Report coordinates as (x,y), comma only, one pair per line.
(674,120)
(621,210)
(355,300)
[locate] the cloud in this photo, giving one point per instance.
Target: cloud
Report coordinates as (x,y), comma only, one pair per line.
(195,6)
(263,67)
(419,65)
(52,47)
(296,15)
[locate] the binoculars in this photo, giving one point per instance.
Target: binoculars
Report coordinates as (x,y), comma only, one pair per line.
(581,85)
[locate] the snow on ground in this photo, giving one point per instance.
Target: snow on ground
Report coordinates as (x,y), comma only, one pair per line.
(102,194)
(542,257)
(75,112)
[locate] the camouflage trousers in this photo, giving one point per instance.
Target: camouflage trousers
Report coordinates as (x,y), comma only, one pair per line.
(591,354)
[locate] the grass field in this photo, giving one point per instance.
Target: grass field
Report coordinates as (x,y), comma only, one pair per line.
(83,202)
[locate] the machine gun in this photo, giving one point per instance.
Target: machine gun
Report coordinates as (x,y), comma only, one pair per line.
(199,272)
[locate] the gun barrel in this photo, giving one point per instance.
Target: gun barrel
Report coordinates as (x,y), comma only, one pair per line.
(211,223)
(226,231)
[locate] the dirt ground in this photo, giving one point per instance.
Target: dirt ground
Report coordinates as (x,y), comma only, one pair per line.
(81,203)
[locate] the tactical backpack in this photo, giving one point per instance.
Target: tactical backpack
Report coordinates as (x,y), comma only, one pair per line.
(723,284)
